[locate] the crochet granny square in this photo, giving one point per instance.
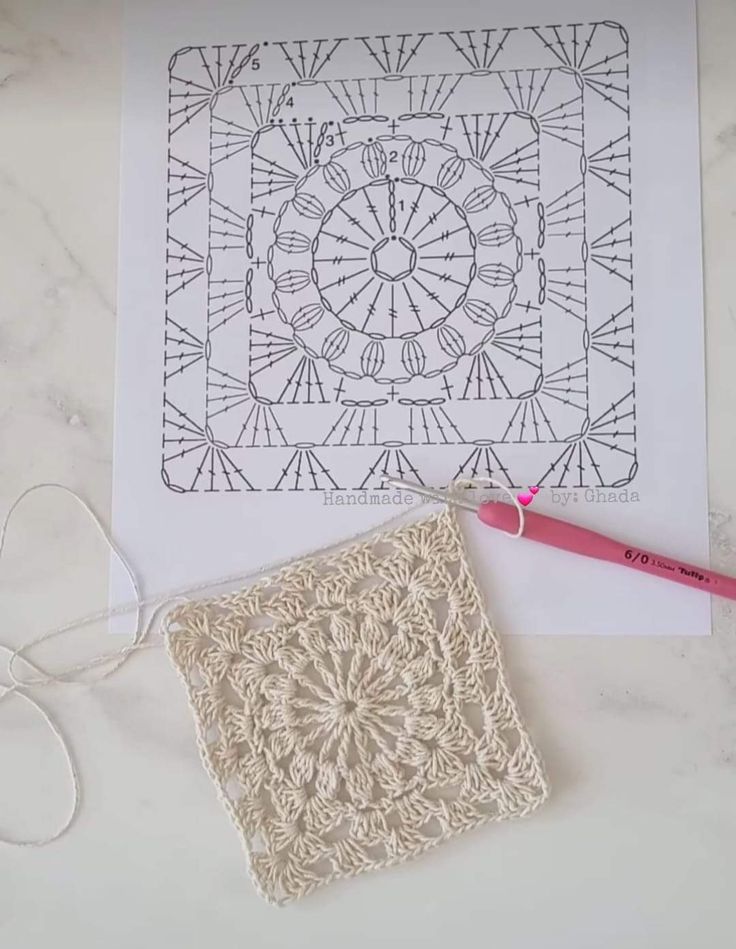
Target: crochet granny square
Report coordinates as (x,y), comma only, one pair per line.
(352,709)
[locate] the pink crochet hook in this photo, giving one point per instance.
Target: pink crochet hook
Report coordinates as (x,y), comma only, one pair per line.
(579,540)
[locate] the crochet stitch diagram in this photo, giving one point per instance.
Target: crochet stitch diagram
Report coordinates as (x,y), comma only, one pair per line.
(403,255)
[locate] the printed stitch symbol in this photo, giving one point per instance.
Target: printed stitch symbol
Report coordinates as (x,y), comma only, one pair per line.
(411,349)
(415,323)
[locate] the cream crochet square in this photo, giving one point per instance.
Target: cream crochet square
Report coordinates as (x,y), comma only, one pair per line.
(353,710)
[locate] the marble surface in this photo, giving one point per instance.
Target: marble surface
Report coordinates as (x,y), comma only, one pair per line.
(635,849)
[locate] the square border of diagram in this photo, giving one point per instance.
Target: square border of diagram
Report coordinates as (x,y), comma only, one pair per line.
(219,276)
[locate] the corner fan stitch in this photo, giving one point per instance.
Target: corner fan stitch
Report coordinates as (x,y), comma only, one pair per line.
(352,709)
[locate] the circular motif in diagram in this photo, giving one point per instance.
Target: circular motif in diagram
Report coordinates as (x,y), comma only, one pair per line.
(394,259)
(393,238)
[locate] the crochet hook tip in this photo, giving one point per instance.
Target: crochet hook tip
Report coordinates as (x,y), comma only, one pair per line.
(431,493)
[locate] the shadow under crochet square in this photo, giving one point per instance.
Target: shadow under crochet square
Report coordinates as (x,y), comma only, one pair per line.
(352,709)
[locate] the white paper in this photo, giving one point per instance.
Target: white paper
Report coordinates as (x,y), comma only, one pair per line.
(419,241)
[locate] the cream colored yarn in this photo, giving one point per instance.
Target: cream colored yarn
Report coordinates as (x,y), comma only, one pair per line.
(352,709)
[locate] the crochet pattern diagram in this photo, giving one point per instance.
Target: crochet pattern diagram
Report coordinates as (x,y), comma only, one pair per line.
(402,255)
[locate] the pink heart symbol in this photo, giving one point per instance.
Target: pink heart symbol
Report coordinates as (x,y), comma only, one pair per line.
(534,489)
(526,498)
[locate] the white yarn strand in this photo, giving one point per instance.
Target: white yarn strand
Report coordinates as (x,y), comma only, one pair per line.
(19,688)
(55,730)
(111,662)
(491,483)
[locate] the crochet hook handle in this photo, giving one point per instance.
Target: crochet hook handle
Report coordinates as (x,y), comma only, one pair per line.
(579,540)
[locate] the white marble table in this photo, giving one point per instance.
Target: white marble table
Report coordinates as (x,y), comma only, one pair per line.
(637,846)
